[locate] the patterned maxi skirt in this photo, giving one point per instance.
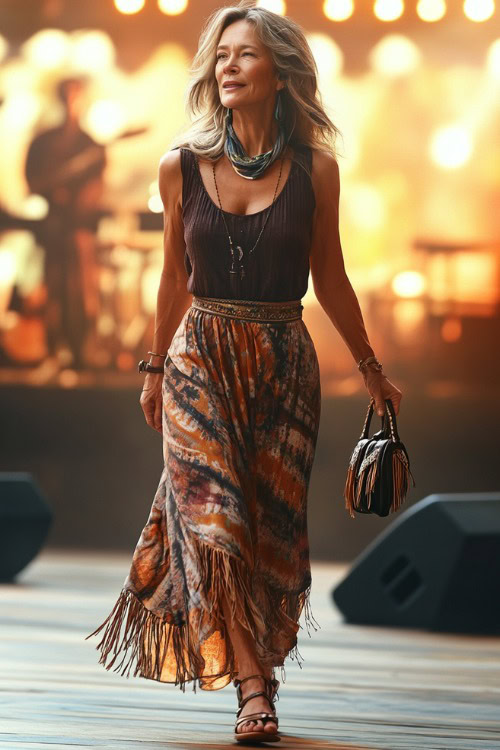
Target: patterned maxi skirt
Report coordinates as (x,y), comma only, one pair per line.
(241,409)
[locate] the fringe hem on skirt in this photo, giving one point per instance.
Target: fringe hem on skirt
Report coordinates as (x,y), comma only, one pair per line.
(171,652)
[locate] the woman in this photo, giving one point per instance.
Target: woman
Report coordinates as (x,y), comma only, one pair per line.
(221,572)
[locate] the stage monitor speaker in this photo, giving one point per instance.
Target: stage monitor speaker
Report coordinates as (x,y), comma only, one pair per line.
(436,567)
(25,519)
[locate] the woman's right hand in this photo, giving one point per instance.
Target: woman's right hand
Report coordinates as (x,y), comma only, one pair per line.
(151,400)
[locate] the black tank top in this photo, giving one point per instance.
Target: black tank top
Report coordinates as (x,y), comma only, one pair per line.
(278,268)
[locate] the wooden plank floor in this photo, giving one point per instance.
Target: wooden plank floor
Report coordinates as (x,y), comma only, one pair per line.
(359,687)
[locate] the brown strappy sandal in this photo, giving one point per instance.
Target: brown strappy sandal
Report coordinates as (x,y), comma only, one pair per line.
(264,716)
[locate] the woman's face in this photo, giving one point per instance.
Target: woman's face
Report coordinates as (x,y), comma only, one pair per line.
(242,57)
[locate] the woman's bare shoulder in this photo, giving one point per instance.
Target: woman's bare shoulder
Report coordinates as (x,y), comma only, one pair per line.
(325,175)
(170,163)
(170,177)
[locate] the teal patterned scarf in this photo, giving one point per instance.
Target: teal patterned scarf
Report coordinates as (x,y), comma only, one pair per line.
(252,167)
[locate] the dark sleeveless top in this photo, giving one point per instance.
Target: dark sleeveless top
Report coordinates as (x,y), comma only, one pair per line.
(278,268)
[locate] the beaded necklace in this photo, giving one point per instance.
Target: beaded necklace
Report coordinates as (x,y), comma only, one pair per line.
(240,271)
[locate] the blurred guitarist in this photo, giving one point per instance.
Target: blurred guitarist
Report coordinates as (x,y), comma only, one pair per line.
(65,165)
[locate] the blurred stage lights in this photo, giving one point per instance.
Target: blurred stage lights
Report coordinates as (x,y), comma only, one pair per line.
(4,47)
(409,284)
(104,120)
(388,10)
(92,51)
(451,147)
(155,204)
(395,55)
(338,10)
(8,267)
(34,206)
(479,10)
(493,59)
(47,49)
(275,6)
(172,7)
(19,110)
(366,206)
(129,7)
(327,54)
(431,10)
(168,7)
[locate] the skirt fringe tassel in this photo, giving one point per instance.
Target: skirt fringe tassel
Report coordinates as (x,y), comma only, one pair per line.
(147,637)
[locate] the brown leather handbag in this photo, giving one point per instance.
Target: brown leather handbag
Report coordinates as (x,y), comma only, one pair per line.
(379,468)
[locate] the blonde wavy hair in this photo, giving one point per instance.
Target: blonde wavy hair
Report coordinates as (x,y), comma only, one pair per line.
(294,62)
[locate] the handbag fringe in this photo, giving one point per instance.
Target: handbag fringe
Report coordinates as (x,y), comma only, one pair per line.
(149,640)
(400,479)
(349,491)
(400,483)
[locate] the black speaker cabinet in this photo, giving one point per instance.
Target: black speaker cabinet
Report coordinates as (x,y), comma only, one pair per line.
(436,567)
(25,519)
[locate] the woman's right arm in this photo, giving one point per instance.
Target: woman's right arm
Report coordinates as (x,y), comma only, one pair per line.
(173,298)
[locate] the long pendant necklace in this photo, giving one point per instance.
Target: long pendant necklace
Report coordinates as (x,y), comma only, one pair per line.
(240,271)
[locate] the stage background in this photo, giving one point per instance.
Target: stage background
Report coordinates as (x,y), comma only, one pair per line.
(417,102)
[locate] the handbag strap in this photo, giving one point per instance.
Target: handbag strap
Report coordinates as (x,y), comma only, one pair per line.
(389,423)
(368,419)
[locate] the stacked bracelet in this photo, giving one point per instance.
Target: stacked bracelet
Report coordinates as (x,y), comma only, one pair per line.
(363,363)
(148,366)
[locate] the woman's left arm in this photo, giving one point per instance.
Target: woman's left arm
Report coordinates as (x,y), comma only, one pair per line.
(331,284)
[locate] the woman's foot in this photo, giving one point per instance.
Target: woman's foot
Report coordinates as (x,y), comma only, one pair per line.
(256,705)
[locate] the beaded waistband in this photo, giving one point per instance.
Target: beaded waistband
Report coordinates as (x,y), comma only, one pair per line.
(265,312)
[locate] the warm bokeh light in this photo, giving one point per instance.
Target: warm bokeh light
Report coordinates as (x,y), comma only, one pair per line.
(106,324)
(338,10)
(366,206)
(275,6)
(451,329)
(408,316)
(475,277)
(149,286)
(395,55)
(431,10)
(4,47)
(479,10)
(409,284)
(411,109)
(464,276)
(35,207)
(20,110)
(68,378)
(92,51)
(7,267)
(172,7)
(155,204)
(328,55)
(451,147)
(388,10)
(47,49)
(493,59)
(104,120)
(128,7)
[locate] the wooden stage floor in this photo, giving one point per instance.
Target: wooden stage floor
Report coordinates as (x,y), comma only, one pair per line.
(359,687)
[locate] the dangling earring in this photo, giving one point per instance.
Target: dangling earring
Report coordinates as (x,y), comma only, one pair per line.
(278,108)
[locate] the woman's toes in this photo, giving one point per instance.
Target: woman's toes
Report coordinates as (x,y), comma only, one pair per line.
(252,726)
(270,727)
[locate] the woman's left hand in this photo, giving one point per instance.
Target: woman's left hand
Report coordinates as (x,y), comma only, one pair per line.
(380,388)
